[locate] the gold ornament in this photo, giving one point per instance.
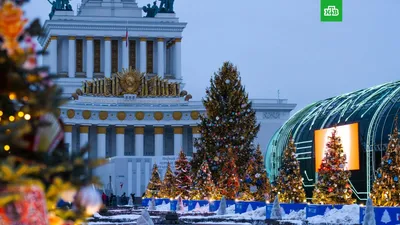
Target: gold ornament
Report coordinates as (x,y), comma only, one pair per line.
(129,81)
(158,116)
(70,113)
(121,115)
(139,115)
(86,114)
(103,115)
(177,115)
(194,115)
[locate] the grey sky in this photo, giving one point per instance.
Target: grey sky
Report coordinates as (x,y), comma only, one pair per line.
(281,44)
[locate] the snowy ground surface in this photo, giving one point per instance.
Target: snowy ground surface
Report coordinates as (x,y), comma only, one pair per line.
(349,214)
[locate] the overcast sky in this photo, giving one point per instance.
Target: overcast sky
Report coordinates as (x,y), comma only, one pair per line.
(282,45)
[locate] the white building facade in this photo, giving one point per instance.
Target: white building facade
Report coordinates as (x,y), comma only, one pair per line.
(134,128)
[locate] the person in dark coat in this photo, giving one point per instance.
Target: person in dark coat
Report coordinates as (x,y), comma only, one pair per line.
(104,198)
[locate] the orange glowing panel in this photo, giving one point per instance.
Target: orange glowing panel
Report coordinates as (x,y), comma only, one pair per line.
(349,137)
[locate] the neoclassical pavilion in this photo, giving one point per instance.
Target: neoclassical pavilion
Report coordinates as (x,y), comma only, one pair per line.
(129,103)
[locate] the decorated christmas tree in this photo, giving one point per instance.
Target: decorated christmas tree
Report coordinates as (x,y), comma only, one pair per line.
(228,182)
(289,182)
(386,187)
(230,123)
(332,186)
(36,169)
(168,185)
(154,185)
(255,185)
(183,181)
(203,186)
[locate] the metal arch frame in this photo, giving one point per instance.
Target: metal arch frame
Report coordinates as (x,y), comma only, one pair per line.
(347,101)
(371,135)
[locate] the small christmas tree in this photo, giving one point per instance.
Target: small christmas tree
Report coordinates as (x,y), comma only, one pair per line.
(203,186)
(168,185)
(230,122)
(369,217)
(182,176)
(289,182)
(228,183)
(154,185)
(256,183)
(386,187)
(332,186)
(276,213)
(222,206)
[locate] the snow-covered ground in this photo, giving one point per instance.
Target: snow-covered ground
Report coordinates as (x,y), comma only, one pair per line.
(349,214)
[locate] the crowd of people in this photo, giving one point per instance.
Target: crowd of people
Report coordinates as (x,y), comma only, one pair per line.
(113,200)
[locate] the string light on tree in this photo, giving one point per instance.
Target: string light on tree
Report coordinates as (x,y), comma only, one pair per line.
(183,180)
(154,185)
(332,186)
(289,181)
(230,122)
(255,185)
(386,188)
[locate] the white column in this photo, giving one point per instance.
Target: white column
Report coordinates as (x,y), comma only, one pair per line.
(53,52)
(139,141)
(130,177)
(84,138)
(160,57)
(172,59)
(101,171)
(138,178)
(178,139)
(159,141)
(107,57)
(143,55)
(177,59)
(89,57)
(120,131)
(196,134)
(71,57)
(68,137)
(101,142)
(125,54)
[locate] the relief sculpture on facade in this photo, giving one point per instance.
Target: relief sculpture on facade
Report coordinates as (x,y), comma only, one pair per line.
(132,82)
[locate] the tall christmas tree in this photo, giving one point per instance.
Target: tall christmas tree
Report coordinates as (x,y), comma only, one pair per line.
(154,185)
(228,182)
(332,186)
(182,176)
(36,169)
(256,185)
(203,186)
(230,123)
(386,188)
(289,182)
(168,184)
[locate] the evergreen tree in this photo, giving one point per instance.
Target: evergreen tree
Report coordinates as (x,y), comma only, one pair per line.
(255,177)
(386,187)
(182,176)
(168,184)
(203,186)
(289,182)
(36,169)
(230,123)
(154,185)
(228,182)
(332,186)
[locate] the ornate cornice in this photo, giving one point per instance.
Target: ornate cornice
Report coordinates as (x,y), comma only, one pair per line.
(87,29)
